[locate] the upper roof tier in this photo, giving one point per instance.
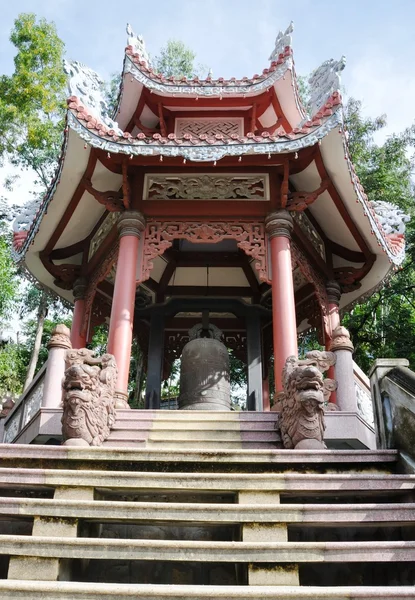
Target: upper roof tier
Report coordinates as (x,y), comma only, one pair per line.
(154,112)
(238,125)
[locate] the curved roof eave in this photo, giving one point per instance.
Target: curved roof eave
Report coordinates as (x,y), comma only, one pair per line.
(99,136)
(337,161)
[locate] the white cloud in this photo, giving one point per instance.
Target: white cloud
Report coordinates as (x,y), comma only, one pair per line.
(385,85)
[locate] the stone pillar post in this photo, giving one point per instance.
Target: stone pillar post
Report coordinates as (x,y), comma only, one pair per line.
(78,339)
(283,574)
(333,296)
(342,346)
(253,331)
(59,343)
(130,225)
(278,226)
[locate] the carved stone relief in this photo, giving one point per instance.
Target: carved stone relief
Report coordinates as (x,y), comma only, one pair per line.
(206,187)
(302,402)
(88,399)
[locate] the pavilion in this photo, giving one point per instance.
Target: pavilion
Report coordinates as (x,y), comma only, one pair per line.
(215,199)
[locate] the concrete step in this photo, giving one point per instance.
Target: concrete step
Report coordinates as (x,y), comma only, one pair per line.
(289,483)
(14,455)
(179,513)
(65,590)
(212,435)
(196,415)
(227,552)
(206,425)
(212,444)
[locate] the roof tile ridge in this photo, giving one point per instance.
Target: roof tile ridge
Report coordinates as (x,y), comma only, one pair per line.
(208,81)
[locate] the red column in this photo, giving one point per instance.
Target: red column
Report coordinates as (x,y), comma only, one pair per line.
(265,394)
(130,226)
(333,296)
(78,339)
(278,226)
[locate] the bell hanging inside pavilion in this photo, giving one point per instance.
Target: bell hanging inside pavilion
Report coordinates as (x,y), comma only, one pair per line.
(204,372)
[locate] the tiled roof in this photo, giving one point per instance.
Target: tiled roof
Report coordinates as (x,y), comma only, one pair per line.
(220,82)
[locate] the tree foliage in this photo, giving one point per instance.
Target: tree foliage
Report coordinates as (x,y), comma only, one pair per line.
(176,60)
(383,326)
(32,99)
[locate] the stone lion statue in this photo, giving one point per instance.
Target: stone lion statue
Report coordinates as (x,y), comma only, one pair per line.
(88,399)
(303,401)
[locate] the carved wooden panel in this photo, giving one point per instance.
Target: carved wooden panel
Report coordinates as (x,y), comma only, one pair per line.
(311,233)
(209,126)
(201,186)
(159,236)
(102,233)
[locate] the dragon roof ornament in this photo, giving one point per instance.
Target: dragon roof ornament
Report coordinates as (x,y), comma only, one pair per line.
(88,87)
(138,45)
(324,82)
(390,216)
(282,41)
(27,215)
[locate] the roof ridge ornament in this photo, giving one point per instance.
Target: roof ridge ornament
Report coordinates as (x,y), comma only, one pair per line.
(138,44)
(88,87)
(390,216)
(324,82)
(282,41)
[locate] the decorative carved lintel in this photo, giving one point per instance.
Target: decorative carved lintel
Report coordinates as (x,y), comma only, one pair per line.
(250,237)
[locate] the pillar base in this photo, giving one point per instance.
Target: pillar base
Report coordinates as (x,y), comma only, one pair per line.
(121,400)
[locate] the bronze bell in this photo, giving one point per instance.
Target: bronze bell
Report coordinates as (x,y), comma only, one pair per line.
(204,372)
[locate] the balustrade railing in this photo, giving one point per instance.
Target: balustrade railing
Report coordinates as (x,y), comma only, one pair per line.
(363,395)
(25,409)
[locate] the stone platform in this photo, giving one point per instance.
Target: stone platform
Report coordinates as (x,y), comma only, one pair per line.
(178,429)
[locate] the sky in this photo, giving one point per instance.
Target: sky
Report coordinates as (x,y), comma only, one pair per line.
(236,37)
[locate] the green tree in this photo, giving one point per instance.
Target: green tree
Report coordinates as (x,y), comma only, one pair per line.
(32,110)
(32,99)
(384,325)
(8,275)
(176,60)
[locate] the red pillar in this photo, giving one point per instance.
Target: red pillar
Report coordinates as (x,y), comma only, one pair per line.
(278,226)
(333,296)
(78,339)
(266,405)
(130,226)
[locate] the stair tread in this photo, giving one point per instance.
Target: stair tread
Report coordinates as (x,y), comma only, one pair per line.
(179,550)
(327,514)
(15,451)
(68,590)
(289,482)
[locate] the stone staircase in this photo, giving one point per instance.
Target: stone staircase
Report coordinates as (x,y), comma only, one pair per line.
(150,523)
(176,430)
